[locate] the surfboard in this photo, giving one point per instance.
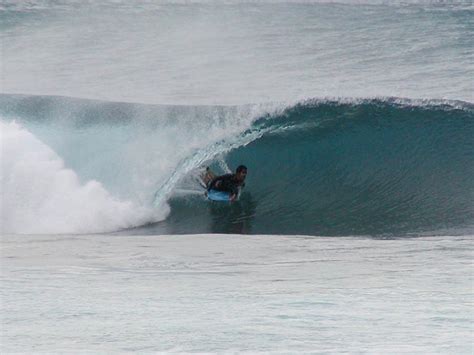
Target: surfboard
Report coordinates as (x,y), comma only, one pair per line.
(215,195)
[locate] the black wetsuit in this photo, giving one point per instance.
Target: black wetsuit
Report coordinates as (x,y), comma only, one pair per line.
(227,183)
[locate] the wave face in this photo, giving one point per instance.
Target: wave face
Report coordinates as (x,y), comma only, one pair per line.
(318,167)
(368,168)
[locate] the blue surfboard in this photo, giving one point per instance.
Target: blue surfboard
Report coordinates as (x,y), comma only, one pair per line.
(215,195)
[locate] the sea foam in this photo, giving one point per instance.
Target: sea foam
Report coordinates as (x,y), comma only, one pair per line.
(41,195)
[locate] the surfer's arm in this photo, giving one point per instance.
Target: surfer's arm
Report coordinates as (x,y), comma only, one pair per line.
(220,182)
(215,182)
(208,177)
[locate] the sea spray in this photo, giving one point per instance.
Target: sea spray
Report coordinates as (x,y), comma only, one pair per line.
(131,151)
(40,195)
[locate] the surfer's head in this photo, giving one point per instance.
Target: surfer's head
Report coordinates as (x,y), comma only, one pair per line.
(241,172)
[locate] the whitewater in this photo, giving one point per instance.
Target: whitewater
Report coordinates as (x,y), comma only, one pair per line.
(353,233)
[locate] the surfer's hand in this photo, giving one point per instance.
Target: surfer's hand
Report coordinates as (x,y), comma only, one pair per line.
(232,197)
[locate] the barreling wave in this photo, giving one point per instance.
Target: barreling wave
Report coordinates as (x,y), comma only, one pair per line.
(320,167)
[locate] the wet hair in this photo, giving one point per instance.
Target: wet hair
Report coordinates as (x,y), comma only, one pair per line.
(240,168)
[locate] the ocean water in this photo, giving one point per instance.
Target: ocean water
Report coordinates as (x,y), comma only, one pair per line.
(236,293)
(319,167)
(354,118)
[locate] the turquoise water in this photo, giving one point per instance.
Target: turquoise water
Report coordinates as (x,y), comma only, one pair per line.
(345,169)
(367,167)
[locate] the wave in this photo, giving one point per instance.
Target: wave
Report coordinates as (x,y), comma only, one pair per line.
(387,166)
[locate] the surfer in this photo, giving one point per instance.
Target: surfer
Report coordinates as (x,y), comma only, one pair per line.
(230,183)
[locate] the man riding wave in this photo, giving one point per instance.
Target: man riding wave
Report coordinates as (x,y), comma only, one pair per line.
(230,183)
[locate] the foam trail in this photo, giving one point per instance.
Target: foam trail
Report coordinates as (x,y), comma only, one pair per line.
(40,195)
